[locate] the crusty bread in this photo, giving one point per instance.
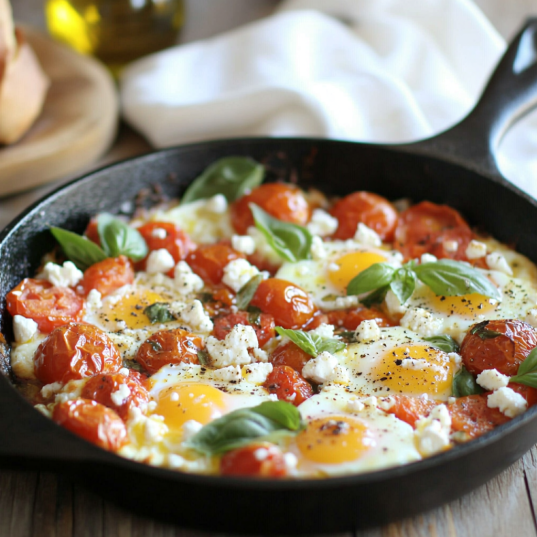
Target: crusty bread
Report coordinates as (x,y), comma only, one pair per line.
(23,84)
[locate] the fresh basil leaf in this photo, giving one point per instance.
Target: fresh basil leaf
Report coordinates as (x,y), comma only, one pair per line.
(290,241)
(527,371)
(404,284)
(230,176)
(464,384)
(240,427)
(444,343)
(376,297)
(311,343)
(203,357)
(81,251)
(375,277)
(247,292)
(329,344)
(529,379)
(118,238)
(159,312)
(480,329)
(453,278)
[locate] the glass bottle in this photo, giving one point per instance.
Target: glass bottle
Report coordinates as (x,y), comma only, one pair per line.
(115,31)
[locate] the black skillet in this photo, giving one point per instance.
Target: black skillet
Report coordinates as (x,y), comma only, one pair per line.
(457,168)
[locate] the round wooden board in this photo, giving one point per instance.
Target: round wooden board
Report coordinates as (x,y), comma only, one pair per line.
(77,124)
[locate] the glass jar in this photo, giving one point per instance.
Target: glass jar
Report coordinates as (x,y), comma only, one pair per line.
(115,31)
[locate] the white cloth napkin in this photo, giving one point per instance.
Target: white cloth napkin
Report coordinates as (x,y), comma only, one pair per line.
(365,70)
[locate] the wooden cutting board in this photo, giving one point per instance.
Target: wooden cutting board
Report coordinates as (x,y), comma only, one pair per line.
(77,124)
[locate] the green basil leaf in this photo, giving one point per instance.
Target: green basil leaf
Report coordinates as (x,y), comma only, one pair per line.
(329,344)
(247,292)
(444,343)
(118,238)
(290,241)
(230,176)
(376,297)
(311,343)
(480,329)
(404,284)
(203,357)
(464,384)
(529,365)
(528,379)
(81,251)
(159,312)
(453,278)
(372,278)
(240,427)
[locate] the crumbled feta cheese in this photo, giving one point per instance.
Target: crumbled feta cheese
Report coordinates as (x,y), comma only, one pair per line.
(195,316)
(386,403)
(497,261)
(491,379)
(367,236)
(23,328)
(291,462)
(422,322)
(393,304)
(261,454)
(432,432)
(508,401)
(191,428)
(317,250)
(415,364)
(322,223)
(324,330)
(120,394)
(159,233)
(257,373)
(154,428)
(159,261)
(94,300)
(344,302)
(22,357)
(451,400)
(61,276)
(325,368)
(451,246)
(366,331)
(186,282)
(49,390)
(355,405)
(124,371)
(476,250)
(217,204)
(243,243)
(233,350)
(152,406)
(260,355)
(228,374)
(428,258)
(44,410)
(454,358)
(238,273)
(531,317)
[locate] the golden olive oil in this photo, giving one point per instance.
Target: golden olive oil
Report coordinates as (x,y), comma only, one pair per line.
(115,31)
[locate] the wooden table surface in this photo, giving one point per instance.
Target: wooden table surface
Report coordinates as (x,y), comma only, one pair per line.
(46,505)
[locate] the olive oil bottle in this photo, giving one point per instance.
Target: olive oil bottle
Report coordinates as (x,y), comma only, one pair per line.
(115,31)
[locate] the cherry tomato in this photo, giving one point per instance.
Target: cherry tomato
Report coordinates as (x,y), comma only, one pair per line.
(471,415)
(75,351)
(101,387)
(501,345)
(429,228)
(290,305)
(92,232)
(411,409)
(262,324)
(176,241)
(370,209)
(284,202)
(352,318)
(529,393)
(208,261)
(256,460)
(108,275)
(262,263)
(169,347)
(93,422)
(288,385)
(290,355)
(47,305)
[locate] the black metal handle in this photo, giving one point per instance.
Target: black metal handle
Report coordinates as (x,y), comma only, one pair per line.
(510,93)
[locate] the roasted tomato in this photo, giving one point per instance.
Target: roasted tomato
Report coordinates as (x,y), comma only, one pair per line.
(290,305)
(366,208)
(108,275)
(471,415)
(288,385)
(263,325)
(75,351)
(435,229)
(529,393)
(501,345)
(352,318)
(47,305)
(93,422)
(411,409)
(169,347)
(208,261)
(284,202)
(290,355)
(117,391)
(92,231)
(256,460)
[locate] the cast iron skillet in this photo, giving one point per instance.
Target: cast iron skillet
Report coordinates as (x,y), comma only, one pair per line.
(457,168)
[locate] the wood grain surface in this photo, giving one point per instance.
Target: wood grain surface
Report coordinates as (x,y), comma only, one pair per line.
(45,505)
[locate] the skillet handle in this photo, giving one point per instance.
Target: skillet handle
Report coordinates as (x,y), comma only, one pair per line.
(510,94)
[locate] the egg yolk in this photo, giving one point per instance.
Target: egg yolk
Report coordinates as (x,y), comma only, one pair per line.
(190,401)
(415,370)
(350,265)
(469,306)
(130,308)
(335,439)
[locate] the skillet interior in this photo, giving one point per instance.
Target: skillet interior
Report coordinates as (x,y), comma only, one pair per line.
(220,504)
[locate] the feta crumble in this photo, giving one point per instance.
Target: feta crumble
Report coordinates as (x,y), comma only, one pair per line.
(325,368)
(317,251)
(66,275)
(432,432)
(367,331)
(422,322)
(195,316)
(159,233)
(428,258)
(94,300)
(322,223)
(497,261)
(238,273)
(119,396)
(324,330)
(491,379)
(23,328)
(243,243)
(476,250)
(233,350)
(190,428)
(508,401)
(217,204)
(186,282)
(367,236)
(228,374)
(159,261)
(256,373)
(393,304)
